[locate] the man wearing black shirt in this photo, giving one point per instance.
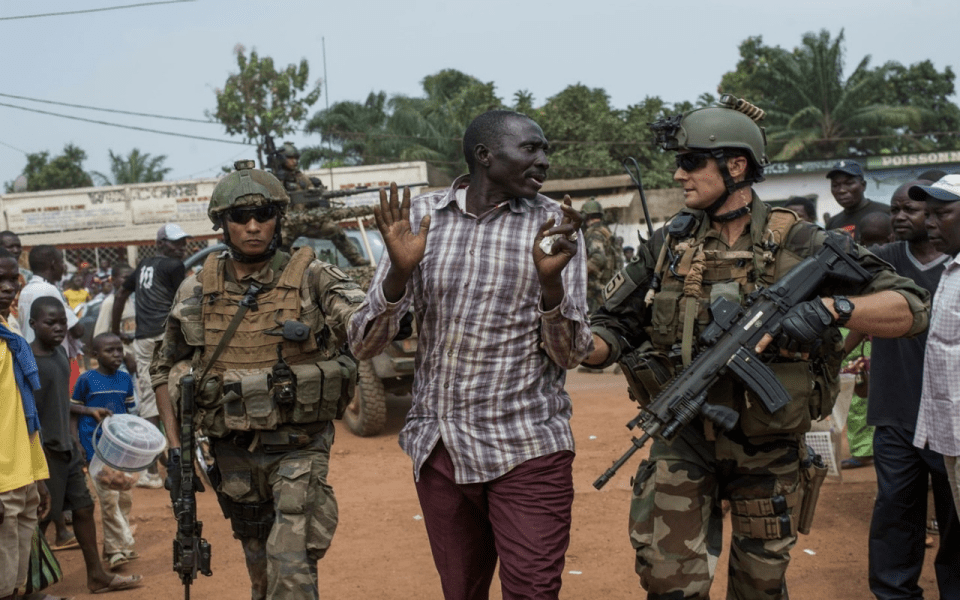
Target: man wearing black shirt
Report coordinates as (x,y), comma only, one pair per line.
(155,282)
(847,186)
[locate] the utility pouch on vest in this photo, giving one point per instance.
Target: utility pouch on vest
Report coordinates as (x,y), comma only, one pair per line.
(249,404)
(646,370)
(729,290)
(812,474)
(798,379)
(339,381)
(306,408)
(665,319)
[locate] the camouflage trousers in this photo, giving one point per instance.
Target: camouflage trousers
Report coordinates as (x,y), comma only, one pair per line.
(285,493)
(676,519)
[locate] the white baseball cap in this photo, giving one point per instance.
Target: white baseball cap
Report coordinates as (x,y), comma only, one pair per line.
(171,232)
(945,190)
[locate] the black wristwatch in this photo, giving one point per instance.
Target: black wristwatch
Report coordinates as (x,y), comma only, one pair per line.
(844,309)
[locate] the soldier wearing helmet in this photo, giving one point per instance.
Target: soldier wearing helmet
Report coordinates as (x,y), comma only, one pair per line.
(601,253)
(726,243)
(262,331)
(289,171)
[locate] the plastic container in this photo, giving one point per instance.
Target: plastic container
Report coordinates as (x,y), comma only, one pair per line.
(128,444)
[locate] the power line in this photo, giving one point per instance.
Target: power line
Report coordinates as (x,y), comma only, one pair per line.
(170,133)
(92,10)
(112,110)
(13,148)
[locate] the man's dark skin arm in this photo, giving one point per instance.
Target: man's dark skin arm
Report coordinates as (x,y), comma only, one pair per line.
(119,301)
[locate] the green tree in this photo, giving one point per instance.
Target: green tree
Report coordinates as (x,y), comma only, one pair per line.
(401,128)
(813,111)
(921,85)
(261,100)
(60,173)
(134,168)
(592,138)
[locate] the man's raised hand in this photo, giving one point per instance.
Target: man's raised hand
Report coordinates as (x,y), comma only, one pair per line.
(405,248)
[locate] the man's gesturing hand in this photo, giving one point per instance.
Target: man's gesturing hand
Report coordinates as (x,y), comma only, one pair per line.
(405,248)
(393,220)
(549,266)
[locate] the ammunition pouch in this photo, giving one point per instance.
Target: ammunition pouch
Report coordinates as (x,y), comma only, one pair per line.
(322,391)
(766,518)
(647,370)
(250,404)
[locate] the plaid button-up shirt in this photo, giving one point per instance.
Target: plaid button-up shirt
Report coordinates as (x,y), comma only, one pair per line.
(938,423)
(490,364)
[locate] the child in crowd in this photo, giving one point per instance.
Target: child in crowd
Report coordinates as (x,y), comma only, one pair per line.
(107,389)
(75,293)
(52,400)
(67,484)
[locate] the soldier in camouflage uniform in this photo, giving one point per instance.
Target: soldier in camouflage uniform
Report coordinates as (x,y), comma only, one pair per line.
(274,380)
(727,243)
(322,223)
(316,222)
(601,258)
(289,173)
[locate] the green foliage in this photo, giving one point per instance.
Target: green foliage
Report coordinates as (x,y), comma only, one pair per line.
(590,138)
(260,100)
(402,128)
(135,168)
(813,112)
(63,172)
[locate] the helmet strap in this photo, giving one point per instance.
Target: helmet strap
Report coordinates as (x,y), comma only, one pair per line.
(731,186)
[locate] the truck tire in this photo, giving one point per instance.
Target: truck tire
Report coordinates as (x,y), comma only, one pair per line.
(367,412)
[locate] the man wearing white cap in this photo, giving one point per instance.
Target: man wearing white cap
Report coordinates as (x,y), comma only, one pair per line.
(155,282)
(938,424)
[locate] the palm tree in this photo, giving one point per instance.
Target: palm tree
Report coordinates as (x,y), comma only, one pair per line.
(814,112)
(382,130)
(135,168)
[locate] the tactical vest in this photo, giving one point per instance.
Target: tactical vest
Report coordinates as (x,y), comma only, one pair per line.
(610,266)
(692,277)
(244,392)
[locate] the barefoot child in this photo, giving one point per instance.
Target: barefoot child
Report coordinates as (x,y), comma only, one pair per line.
(68,486)
(107,389)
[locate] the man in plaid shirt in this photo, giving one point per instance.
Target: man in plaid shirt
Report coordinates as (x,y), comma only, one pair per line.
(501,316)
(938,424)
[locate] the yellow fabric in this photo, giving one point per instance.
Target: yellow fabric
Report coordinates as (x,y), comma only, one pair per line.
(21,456)
(76,297)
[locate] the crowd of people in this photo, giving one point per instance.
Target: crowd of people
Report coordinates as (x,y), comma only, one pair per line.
(509,290)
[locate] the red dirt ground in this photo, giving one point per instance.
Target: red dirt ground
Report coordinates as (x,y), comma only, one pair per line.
(381,549)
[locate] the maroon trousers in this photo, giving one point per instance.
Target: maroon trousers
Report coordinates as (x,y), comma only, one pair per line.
(522,517)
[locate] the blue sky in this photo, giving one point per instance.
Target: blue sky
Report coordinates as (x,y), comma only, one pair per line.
(167,59)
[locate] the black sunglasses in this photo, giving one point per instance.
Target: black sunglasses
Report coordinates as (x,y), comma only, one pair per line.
(242,215)
(692,161)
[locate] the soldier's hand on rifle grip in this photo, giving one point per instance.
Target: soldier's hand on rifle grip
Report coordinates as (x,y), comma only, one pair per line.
(803,325)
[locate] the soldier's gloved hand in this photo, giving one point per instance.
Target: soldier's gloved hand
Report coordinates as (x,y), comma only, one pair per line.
(803,325)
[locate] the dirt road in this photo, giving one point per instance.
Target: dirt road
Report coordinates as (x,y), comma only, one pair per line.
(381,550)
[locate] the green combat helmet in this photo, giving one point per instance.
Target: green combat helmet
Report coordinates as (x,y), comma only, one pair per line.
(730,126)
(247,187)
(290,151)
(592,207)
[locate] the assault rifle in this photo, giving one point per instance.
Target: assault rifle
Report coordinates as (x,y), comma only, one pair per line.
(729,342)
(191,553)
